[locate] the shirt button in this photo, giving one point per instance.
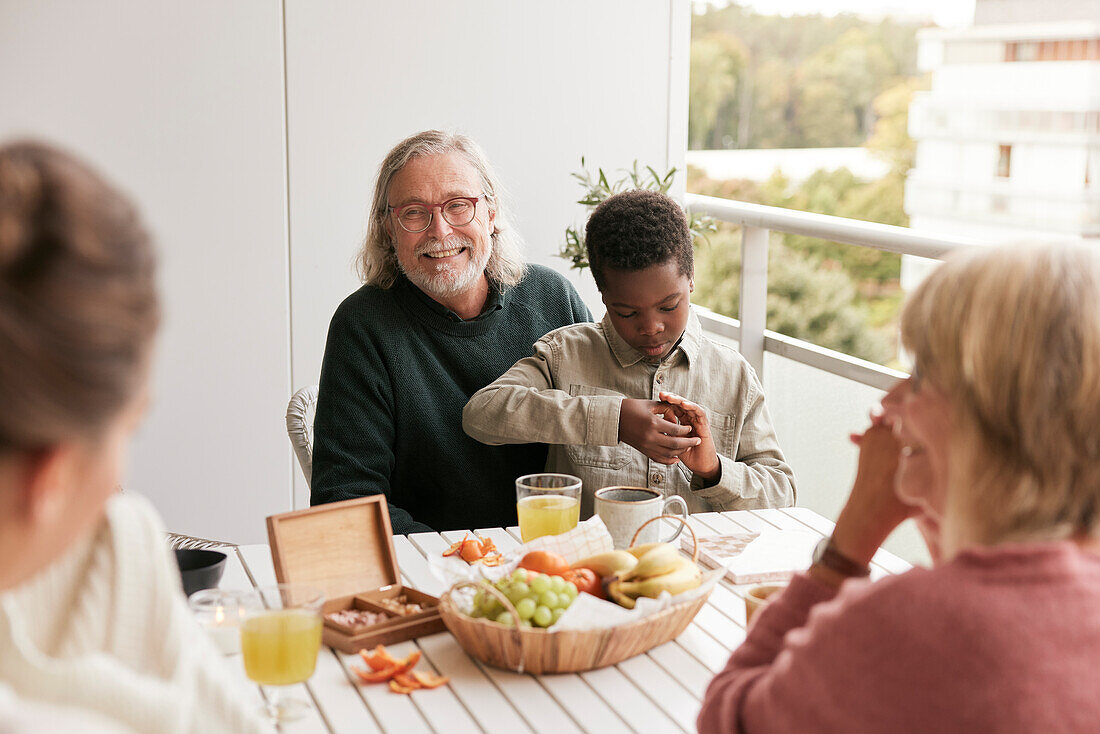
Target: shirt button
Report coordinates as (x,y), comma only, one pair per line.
(657,478)
(660,379)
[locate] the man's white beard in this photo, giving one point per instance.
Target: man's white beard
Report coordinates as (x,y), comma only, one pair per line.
(445,280)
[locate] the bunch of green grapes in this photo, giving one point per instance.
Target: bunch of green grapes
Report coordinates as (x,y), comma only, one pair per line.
(540,599)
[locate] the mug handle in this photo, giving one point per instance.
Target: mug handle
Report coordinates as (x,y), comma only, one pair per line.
(675,501)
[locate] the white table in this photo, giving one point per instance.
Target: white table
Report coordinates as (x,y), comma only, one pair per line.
(659,691)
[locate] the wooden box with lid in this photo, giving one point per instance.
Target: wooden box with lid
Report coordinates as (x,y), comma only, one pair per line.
(345,549)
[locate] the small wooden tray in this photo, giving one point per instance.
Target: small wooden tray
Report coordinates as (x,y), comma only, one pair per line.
(345,549)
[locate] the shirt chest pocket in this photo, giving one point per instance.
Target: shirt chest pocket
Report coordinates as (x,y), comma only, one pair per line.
(600,457)
(725,431)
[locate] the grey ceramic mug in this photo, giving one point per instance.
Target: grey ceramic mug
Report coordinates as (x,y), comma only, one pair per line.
(625,509)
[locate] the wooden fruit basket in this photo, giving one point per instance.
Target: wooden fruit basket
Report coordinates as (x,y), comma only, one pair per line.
(534,650)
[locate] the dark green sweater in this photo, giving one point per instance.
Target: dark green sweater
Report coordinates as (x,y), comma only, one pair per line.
(398,370)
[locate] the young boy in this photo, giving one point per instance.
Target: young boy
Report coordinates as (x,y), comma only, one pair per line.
(607,397)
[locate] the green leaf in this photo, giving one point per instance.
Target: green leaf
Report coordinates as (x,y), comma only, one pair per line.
(599,188)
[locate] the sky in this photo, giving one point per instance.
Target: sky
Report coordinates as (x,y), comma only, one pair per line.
(947,13)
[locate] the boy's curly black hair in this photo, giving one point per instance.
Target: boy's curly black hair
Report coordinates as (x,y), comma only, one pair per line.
(636,229)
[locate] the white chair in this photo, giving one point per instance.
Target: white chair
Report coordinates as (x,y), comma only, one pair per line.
(300,413)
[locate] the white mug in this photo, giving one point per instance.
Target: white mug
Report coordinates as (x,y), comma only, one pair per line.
(625,509)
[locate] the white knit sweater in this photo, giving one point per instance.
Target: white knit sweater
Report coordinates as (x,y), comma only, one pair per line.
(107,628)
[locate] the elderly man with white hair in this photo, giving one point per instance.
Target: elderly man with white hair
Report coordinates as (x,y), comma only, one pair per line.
(446,307)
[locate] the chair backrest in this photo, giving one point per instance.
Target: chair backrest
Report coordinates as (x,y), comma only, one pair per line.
(300,412)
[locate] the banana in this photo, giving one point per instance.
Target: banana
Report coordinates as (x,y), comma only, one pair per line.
(640,550)
(618,596)
(658,560)
(611,563)
(684,576)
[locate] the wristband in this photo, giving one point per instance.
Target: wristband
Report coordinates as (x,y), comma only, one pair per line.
(827,556)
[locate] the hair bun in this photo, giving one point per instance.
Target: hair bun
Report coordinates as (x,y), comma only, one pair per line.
(21,191)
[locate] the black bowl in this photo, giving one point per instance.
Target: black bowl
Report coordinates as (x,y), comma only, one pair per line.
(200,569)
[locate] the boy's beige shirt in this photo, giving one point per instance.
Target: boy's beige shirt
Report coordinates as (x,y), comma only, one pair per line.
(568,393)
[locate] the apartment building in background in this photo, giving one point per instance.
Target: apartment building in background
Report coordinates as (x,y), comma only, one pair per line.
(1008,137)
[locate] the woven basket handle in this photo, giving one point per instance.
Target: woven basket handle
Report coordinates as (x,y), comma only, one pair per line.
(694,540)
(508,606)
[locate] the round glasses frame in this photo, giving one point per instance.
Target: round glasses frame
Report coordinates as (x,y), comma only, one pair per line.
(442,207)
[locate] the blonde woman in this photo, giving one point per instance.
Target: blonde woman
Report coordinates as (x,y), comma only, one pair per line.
(993,445)
(92,621)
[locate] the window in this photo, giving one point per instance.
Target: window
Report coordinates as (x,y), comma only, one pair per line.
(1004,161)
(1027,51)
(1062,50)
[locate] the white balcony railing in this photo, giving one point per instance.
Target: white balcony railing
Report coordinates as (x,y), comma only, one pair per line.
(757,222)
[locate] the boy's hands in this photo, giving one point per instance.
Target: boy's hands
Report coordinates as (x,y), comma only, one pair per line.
(649,426)
(702,458)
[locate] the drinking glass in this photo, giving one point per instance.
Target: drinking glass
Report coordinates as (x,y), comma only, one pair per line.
(220,612)
(547,504)
(280,640)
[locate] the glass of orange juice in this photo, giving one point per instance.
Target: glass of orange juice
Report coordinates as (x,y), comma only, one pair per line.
(547,504)
(280,640)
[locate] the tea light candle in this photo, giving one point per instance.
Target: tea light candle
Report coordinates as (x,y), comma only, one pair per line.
(220,613)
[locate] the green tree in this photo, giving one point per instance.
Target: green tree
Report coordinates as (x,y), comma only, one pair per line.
(890,139)
(839,296)
(837,86)
(798,73)
(716,63)
(805,300)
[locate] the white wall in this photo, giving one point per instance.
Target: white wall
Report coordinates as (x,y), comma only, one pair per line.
(185,105)
(181,104)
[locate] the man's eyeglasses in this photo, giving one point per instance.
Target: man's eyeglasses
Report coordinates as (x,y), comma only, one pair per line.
(417,217)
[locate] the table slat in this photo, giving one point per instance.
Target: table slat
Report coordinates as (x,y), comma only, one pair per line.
(235,577)
(634,706)
(719,626)
(542,712)
(336,695)
(734,522)
(481,697)
(415,567)
(692,674)
(675,700)
(258,560)
(573,694)
(712,653)
(501,539)
(884,558)
(393,711)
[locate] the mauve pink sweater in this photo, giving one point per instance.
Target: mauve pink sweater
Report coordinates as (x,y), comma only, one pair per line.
(1003,639)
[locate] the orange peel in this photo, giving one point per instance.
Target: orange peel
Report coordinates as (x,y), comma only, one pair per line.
(385,667)
(379,658)
(456,547)
(378,676)
(398,688)
(430,680)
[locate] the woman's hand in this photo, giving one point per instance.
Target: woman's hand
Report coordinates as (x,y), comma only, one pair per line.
(873,509)
(703,458)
